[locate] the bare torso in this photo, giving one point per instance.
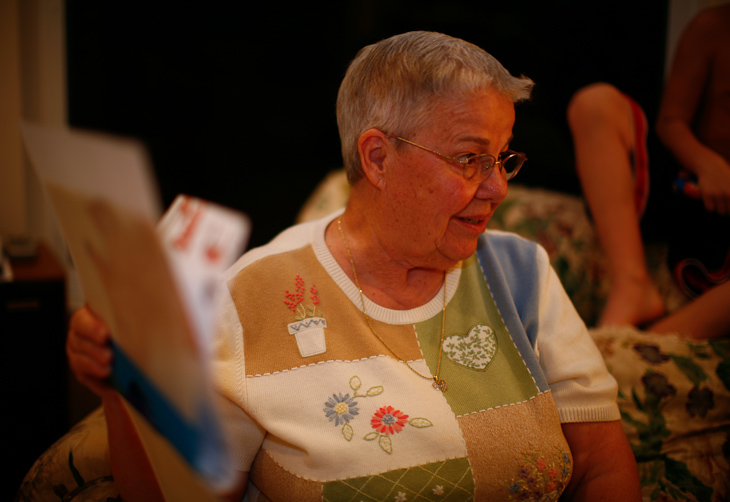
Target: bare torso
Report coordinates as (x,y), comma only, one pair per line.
(713,118)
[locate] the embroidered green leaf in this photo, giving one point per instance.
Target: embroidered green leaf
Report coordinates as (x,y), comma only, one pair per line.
(347,431)
(301,311)
(374,391)
(371,435)
(355,382)
(420,422)
(385,443)
(313,311)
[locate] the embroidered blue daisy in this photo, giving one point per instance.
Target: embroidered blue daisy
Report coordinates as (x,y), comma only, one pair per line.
(340,408)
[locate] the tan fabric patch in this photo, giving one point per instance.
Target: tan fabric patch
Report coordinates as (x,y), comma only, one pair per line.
(278,484)
(517,448)
(262,288)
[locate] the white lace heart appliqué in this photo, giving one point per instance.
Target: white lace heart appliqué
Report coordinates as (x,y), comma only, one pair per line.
(474,350)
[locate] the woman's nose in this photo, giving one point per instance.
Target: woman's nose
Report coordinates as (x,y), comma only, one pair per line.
(494,187)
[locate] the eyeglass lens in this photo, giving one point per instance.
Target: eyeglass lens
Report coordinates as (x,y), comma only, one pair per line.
(483,164)
(511,162)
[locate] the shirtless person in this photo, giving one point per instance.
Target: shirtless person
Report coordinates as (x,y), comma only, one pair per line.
(694,125)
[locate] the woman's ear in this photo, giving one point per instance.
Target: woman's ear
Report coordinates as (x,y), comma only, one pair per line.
(374,147)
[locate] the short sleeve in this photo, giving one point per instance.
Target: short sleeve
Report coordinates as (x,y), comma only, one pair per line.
(583,389)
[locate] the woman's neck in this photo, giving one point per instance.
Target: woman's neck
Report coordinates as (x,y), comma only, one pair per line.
(388,281)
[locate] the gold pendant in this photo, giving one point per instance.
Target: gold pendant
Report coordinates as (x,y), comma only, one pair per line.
(439,385)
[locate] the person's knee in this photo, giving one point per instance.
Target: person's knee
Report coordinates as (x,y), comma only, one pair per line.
(595,103)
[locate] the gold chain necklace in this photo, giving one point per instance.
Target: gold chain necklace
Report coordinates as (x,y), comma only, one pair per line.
(438,383)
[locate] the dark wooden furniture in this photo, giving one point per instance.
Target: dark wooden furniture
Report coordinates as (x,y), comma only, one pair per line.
(33,365)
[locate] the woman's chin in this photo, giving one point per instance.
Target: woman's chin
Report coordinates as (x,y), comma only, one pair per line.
(456,252)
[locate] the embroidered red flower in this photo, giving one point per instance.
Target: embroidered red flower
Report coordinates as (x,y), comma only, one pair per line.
(314,297)
(388,420)
(294,299)
(539,479)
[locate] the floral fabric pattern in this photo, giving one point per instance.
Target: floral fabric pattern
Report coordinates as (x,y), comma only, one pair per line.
(674,396)
(76,467)
(308,329)
(387,420)
(340,408)
(343,409)
(474,350)
(294,301)
(538,479)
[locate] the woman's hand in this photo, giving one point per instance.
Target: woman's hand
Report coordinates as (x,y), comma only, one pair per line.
(713,181)
(89,351)
(90,357)
(693,72)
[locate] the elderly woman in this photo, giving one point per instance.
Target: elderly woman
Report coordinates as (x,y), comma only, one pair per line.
(394,350)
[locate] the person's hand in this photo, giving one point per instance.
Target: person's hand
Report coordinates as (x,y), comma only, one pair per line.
(713,181)
(89,351)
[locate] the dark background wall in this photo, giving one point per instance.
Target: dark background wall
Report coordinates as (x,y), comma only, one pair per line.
(236,102)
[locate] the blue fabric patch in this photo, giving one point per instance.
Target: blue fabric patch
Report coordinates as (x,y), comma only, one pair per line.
(510,268)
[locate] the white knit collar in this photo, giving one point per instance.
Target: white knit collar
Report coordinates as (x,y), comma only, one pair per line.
(390,316)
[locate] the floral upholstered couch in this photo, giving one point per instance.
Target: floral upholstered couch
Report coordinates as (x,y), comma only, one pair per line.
(674,393)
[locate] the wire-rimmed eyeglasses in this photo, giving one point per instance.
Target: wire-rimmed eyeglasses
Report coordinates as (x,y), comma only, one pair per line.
(477,168)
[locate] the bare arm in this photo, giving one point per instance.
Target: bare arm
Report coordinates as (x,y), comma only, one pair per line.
(689,76)
(604,467)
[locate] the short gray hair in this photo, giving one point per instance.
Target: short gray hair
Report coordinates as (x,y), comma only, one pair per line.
(391,86)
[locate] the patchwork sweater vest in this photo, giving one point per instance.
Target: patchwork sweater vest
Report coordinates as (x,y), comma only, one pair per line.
(345,419)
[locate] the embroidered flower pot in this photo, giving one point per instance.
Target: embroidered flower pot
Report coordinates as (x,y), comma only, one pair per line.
(309,333)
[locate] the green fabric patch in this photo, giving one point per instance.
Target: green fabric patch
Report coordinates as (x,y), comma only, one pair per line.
(478,350)
(447,481)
